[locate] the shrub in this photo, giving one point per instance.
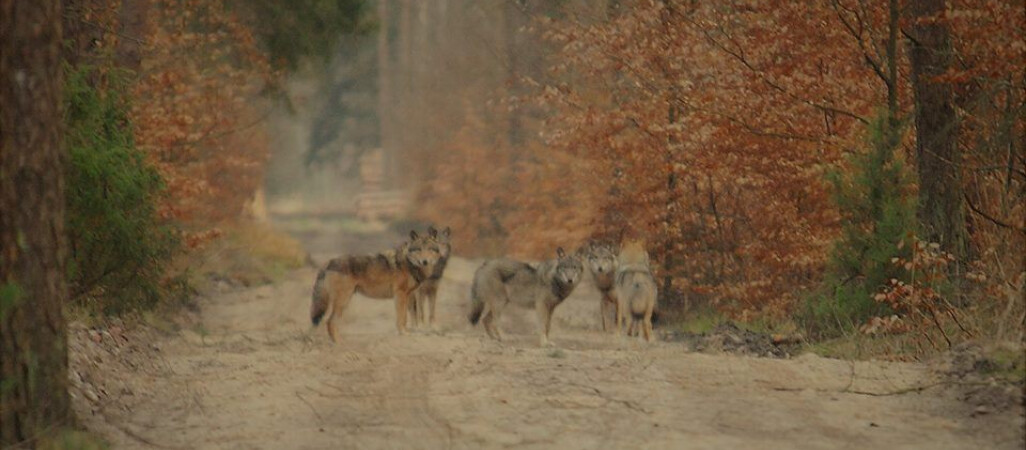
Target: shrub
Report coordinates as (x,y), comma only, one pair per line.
(119,246)
(877,207)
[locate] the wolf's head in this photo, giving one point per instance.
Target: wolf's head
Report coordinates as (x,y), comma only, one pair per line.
(600,258)
(568,268)
(423,252)
(442,238)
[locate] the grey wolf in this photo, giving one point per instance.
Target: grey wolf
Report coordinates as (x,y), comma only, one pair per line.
(500,282)
(635,289)
(395,273)
(425,294)
(600,259)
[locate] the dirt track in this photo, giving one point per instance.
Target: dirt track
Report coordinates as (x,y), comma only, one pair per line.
(252,374)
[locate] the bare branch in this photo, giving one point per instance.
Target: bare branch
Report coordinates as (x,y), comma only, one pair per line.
(740,57)
(995,221)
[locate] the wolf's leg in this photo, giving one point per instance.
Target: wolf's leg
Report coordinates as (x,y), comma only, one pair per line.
(341,294)
(544,319)
(496,313)
(420,300)
(620,316)
(647,324)
(548,319)
(490,328)
(486,322)
(411,309)
(426,301)
(489,318)
(432,295)
(603,309)
(402,298)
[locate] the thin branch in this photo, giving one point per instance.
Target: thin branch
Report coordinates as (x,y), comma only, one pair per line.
(992,219)
(209,133)
(874,64)
(103,28)
(740,57)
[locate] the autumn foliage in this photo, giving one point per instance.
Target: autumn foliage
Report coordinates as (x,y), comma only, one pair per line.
(711,128)
(197,113)
(165,114)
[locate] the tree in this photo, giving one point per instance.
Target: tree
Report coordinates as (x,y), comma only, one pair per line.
(941,210)
(32,245)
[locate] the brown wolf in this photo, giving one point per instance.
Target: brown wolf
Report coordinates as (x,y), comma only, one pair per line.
(601,262)
(545,285)
(425,294)
(635,289)
(394,273)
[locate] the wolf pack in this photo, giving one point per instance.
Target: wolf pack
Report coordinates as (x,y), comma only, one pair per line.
(411,272)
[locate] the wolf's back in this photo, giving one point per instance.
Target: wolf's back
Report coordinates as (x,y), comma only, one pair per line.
(319,304)
(636,287)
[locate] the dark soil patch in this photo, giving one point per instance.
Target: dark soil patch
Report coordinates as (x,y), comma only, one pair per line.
(988,379)
(729,338)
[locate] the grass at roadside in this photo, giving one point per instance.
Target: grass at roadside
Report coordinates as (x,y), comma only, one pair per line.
(999,360)
(246,254)
(705,320)
(71,439)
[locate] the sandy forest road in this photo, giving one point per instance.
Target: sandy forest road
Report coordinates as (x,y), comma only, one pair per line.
(253,376)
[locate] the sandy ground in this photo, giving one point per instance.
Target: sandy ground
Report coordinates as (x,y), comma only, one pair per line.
(252,374)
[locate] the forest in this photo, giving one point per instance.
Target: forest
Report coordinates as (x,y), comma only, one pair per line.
(838,172)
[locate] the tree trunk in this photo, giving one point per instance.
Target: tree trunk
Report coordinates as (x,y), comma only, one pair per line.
(403,100)
(386,102)
(941,210)
(511,22)
(33,393)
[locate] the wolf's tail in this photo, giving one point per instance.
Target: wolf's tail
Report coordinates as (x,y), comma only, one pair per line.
(476,305)
(319,305)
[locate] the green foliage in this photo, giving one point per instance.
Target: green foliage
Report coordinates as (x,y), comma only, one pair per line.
(69,439)
(294,30)
(878,220)
(119,246)
(10,295)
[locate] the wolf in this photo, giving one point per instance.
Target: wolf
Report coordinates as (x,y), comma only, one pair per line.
(545,285)
(396,273)
(635,289)
(425,294)
(600,258)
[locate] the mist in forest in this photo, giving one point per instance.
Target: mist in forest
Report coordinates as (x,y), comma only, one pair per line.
(399,97)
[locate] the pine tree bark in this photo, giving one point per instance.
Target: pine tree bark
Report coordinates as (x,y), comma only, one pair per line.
(33,368)
(939,160)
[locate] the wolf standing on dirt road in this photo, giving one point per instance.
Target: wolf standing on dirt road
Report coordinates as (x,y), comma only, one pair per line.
(395,273)
(601,262)
(635,290)
(499,282)
(425,295)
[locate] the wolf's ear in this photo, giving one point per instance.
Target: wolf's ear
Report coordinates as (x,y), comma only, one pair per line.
(560,253)
(413,235)
(432,231)
(446,232)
